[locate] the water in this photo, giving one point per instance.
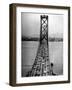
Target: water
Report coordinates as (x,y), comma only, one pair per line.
(29,50)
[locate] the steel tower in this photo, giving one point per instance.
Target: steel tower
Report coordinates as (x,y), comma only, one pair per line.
(41,66)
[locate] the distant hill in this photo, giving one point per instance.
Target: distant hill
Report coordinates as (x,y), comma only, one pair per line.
(51,39)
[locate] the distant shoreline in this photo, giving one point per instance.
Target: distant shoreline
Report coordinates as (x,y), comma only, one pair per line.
(37,39)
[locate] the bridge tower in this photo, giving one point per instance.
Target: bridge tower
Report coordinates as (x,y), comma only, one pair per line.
(41,66)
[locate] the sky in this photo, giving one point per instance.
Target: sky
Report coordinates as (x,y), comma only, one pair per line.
(30,24)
